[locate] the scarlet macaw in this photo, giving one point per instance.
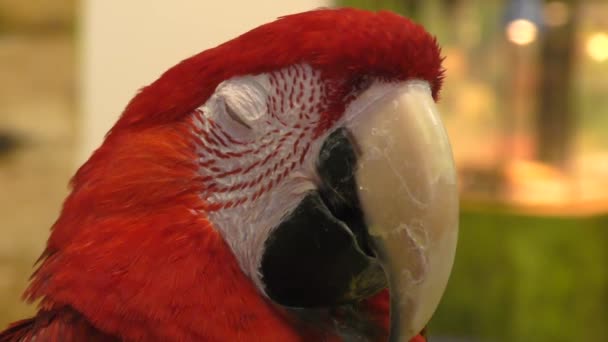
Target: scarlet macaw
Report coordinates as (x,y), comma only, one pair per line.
(269,189)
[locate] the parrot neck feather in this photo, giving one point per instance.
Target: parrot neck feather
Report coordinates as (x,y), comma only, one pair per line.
(132,252)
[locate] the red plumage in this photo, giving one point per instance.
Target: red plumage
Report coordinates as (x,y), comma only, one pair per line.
(57,325)
(337,42)
(132,256)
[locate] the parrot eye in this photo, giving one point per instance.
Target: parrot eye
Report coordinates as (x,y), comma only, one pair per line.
(242,101)
(234,116)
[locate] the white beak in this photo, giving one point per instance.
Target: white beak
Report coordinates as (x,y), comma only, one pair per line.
(408,191)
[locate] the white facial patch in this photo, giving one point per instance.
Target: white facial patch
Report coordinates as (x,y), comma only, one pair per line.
(257,155)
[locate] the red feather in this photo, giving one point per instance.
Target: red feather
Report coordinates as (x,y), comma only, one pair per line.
(336,42)
(63,325)
(131,251)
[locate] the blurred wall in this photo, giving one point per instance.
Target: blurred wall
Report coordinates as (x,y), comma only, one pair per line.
(37,119)
(128,46)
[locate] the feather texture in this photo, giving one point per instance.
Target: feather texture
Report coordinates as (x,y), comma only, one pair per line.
(63,325)
(133,254)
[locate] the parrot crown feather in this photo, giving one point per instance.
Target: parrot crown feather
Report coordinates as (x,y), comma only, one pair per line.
(336,42)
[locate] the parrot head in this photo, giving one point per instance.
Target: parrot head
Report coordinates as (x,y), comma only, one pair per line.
(271,188)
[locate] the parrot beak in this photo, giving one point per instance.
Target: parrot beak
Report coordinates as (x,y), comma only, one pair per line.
(407,188)
(385,213)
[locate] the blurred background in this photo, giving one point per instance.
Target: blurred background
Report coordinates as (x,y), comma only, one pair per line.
(525,102)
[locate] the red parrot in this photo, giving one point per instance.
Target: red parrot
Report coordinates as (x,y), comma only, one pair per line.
(292,184)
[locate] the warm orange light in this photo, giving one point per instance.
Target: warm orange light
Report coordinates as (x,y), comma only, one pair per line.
(597,47)
(521,32)
(556,13)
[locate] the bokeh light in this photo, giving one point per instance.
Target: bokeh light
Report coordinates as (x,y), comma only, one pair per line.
(521,32)
(597,47)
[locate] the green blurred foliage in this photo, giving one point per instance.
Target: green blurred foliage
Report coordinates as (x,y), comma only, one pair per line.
(527,278)
(391,5)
